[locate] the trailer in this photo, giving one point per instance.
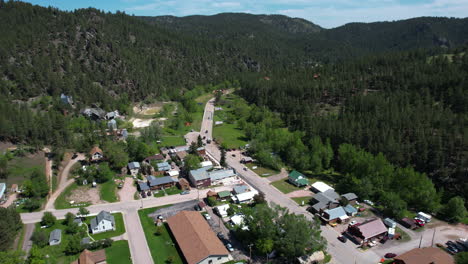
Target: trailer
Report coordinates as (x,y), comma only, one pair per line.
(425,217)
(390,223)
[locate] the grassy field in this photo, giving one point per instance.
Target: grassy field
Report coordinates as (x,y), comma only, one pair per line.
(229,134)
(172,190)
(261,171)
(56,253)
(107,191)
(20,168)
(299,200)
(284,186)
(118,253)
(62,203)
(172,141)
(161,246)
(119,227)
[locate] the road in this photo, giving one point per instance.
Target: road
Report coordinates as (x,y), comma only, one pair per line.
(64,182)
(343,253)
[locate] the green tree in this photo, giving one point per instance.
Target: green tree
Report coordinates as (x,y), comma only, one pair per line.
(73,245)
(222,161)
(10,224)
(72,228)
(264,246)
(199,141)
(461,258)
(40,238)
(11,257)
(394,205)
(83,212)
(48,219)
(454,211)
(191,162)
(69,217)
(36,256)
(193,148)
(151,133)
(116,154)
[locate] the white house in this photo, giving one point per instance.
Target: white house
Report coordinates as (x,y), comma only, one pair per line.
(222,210)
(134,168)
(103,222)
(245,197)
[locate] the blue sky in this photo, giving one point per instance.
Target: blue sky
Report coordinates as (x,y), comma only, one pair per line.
(326,13)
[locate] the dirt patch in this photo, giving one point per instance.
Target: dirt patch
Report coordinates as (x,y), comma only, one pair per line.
(151,109)
(140,123)
(128,190)
(300,193)
(85,194)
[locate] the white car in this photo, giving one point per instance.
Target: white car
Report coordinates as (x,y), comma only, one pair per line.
(229,247)
(207,216)
(352,223)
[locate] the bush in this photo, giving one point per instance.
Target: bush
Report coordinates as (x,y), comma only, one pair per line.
(48,219)
(40,238)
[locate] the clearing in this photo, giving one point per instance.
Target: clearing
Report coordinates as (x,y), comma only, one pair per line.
(81,195)
(284,186)
(262,171)
(20,168)
(118,253)
(230,135)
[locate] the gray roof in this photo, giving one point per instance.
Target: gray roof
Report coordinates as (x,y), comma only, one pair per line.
(318,206)
(221,174)
(143,186)
(350,196)
(153,181)
(163,166)
(350,209)
(103,215)
(326,197)
(240,189)
(200,174)
(335,213)
(77,221)
(2,188)
(56,234)
(331,194)
(133,165)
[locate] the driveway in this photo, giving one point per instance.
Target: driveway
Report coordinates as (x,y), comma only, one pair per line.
(282,175)
(128,190)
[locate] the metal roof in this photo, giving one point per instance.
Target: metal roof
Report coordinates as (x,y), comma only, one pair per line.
(143,186)
(350,209)
(103,215)
(240,189)
(350,196)
(56,234)
(134,165)
(153,181)
(200,174)
(221,174)
(335,213)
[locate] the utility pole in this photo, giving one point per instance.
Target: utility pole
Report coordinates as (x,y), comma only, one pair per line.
(433,236)
(420,241)
(250,253)
(141,202)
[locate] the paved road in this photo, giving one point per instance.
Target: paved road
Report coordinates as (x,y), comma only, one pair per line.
(136,238)
(341,253)
(64,182)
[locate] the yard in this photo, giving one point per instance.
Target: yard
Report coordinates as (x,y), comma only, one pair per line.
(284,186)
(118,253)
(20,168)
(107,191)
(230,135)
(63,201)
(119,227)
(162,245)
(302,201)
(261,171)
(56,253)
(167,141)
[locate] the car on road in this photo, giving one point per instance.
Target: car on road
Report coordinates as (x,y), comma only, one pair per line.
(207,216)
(342,239)
(229,247)
(74,156)
(184,192)
(220,235)
(206,131)
(352,223)
(143,194)
(390,255)
(233,155)
(245,168)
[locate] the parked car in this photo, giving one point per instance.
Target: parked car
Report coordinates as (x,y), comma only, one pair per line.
(220,235)
(143,194)
(245,168)
(207,216)
(233,155)
(390,255)
(149,193)
(184,192)
(206,131)
(419,222)
(352,222)
(342,239)
(74,156)
(369,202)
(229,247)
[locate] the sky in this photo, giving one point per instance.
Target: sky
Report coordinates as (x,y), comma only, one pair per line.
(326,13)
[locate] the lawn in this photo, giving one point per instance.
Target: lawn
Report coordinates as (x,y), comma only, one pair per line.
(261,171)
(20,168)
(173,190)
(107,191)
(119,230)
(161,246)
(62,203)
(56,253)
(299,200)
(229,134)
(284,186)
(118,253)
(167,141)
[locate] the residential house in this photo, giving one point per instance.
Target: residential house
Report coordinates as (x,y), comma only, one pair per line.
(224,195)
(112,115)
(91,257)
(55,237)
(298,179)
(96,154)
(158,183)
(245,197)
(240,189)
(184,184)
(157,158)
(103,222)
(143,186)
(181,155)
(430,255)
(197,242)
(163,166)
(325,200)
(134,168)
(112,124)
(173,173)
(2,190)
(66,99)
(238,220)
(201,151)
(319,187)
(350,210)
(334,215)
(351,197)
(217,176)
(199,178)
(94,113)
(368,230)
(221,210)
(206,164)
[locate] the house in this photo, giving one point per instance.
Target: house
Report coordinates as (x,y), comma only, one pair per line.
(224,195)
(221,210)
(184,184)
(163,166)
(134,168)
(96,154)
(158,183)
(199,178)
(237,219)
(247,160)
(143,186)
(206,164)
(66,99)
(197,242)
(334,215)
(351,197)
(94,113)
(240,189)
(55,237)
(319,187)
(350,210)
(325,200)
(91,257)
(112,124)
(181,155)
(173,173)
(112,115)
(157,158)
(297,179)
(217,177)
(245,197)
(2,190)
(103,222)
(368,230)
(201,151)
(431,255)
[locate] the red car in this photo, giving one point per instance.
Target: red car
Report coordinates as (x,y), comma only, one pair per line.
(419,222)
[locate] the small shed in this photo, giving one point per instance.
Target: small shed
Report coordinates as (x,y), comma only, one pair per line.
(350,210)
(223,195)
(55,237)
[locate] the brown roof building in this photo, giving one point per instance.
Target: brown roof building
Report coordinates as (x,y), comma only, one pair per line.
(369,229)
(96,154)
(89,257)
(424,256)
(196,240)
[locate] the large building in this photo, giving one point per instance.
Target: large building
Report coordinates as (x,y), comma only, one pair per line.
(196,240)
(370,229)
(424,256)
